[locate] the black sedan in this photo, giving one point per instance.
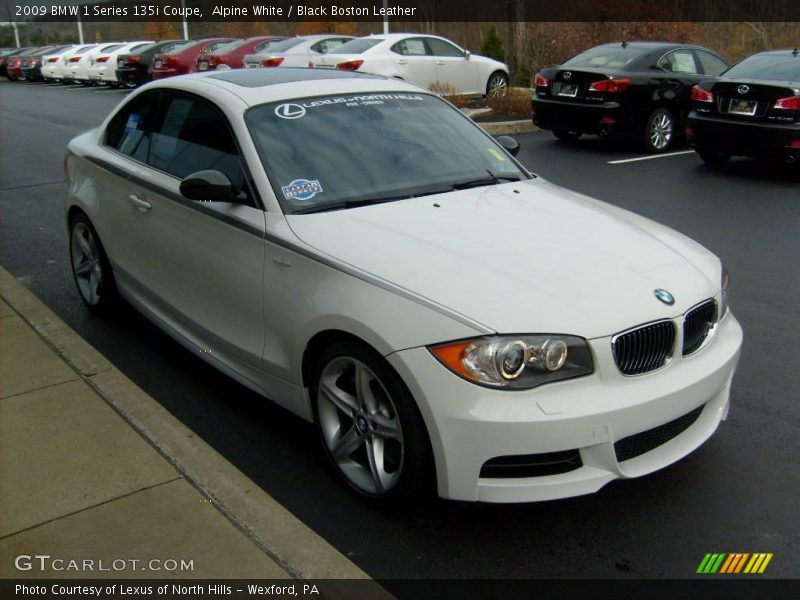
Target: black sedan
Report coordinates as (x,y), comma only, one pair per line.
(752,110)
(136,69)
(634,89)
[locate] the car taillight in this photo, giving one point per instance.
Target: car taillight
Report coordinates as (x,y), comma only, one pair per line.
(272,62)
(790,103)
(311,64)
(540,80)
(701,95)
(350,65)
(616,85)
(171,60)
(52,59)
(102,59)
(75,59)
(133,60)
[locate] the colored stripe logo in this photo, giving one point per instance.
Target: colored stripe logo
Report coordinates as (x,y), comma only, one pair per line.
(734,563)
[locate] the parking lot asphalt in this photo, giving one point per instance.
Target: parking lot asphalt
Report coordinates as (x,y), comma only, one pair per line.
(736,493)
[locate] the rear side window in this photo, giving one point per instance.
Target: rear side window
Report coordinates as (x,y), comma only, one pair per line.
(358,46)
(678,61)
(329,45)
(194,136)
(411,47)
(711,65)
(130,131)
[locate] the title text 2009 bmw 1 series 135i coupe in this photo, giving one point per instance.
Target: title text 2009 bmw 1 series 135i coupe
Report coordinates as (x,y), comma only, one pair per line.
(355,249)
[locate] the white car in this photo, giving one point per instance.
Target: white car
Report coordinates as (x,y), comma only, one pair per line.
(296,51)
(52,64)
(420,59)
(63,71)
(103,66)
(438,312)
(77,70)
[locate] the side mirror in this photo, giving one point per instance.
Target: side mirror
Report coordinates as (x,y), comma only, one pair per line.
(509,143)
(209,186)
(467,54)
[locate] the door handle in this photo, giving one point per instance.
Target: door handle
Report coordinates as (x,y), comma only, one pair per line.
(402,62)
(139,203)
(441,63)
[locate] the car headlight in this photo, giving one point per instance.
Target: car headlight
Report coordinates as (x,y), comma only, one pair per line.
(517,362)
(723,296)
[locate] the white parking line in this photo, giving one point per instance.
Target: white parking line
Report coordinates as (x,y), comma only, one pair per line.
(627,160)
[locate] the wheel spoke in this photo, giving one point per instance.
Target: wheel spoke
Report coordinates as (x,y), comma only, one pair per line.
(363,389)
(94,285)
(83,269)
(346,445)
(83,243)
(375,458)
(343,401)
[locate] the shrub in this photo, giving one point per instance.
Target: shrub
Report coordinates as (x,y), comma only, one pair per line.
(515,103)
(492,45)
(453,94)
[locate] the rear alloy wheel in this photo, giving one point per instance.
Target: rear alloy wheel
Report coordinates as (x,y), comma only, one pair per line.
(497,84)
(370,428)
(713,158)
(90,267)
(566,136)
(659,130)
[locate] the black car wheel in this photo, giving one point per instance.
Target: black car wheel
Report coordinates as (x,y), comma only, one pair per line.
(370,427)
(566,136)
(659,130)
(713,158)
(90,267)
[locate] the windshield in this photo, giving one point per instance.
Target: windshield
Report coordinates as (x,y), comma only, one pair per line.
(358,46)
(767,66)
(610,57)
(332,151)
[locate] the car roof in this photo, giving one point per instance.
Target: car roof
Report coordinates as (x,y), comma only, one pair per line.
(258,86)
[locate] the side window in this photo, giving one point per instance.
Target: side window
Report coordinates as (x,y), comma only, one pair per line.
(442,48)
(678,61)
(325,46)
(194,136)
(711,64)
(130,131)
(411,47)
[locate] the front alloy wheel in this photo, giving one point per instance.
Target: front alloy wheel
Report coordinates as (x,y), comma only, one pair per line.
(369,427)
(659,131)
(497,84)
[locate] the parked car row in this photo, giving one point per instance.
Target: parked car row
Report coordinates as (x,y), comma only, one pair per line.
(661,92)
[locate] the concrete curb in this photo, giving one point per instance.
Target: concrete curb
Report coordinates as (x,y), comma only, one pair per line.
(508,127)
(287,540)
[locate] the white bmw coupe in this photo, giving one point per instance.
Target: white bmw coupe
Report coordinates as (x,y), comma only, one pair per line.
(355,249)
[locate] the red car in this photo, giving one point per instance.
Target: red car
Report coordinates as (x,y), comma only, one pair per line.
(182,58)
(231,56)
(14,63)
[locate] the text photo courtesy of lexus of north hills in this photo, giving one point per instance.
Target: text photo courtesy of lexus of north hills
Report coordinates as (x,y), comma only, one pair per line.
(399,298)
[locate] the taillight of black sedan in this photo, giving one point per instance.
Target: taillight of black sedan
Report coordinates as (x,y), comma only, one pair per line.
(753,109)
(634,89)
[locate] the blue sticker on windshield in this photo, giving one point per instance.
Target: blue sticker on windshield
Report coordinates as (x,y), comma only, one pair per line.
(133,123)
(301,189)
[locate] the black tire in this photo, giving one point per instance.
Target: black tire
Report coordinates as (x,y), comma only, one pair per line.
(99,298)
(713,158)
(407,464)
(567,136)
(497,84)
(660,131)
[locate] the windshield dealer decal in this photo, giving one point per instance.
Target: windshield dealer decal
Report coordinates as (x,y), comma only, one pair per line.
(302,189)
(290,111)
(296,111)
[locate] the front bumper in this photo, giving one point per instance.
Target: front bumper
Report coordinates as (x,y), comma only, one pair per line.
(740,138)
(470,425)
(599,119)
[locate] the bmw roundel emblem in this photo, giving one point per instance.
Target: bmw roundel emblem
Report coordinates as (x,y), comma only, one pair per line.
(743,89)
(568,75)
(664,296)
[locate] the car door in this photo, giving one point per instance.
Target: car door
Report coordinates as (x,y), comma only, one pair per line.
(453,67)
(413,62)
(682,72)
(200,264)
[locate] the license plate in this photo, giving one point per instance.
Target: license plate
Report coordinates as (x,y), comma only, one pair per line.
(253,65)
(202,66)
(568,89)
(157,64)
(742,107)
(120,63)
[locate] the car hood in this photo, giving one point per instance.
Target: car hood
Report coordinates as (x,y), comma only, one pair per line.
(525,257)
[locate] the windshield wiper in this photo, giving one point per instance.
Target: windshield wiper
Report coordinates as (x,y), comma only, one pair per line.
(492,179)
(357,203)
